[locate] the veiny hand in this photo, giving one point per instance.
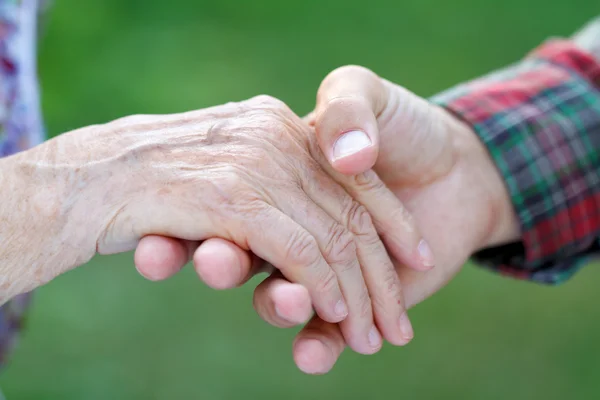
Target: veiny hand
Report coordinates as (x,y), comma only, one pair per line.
(247,173)
(435,165)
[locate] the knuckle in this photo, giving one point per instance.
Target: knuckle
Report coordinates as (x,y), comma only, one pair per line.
(327,284)
(340,103)
(390,288)
(368,181)
(350,71)
(336,105)
(316,159)
(302,249)
(358,220)
(391,282)
(268,101)
(340,247)
(379,303)
(365,307)
(272,125)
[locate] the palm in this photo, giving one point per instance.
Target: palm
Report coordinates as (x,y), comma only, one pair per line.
(426,176)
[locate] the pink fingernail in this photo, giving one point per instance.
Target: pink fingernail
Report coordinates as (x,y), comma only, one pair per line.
(280,314)
(340,309)
(426,254)
(350,143)
(406,327)
(374,338)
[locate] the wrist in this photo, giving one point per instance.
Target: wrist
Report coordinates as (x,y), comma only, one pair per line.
(35,247)
(497,223)
(56,207)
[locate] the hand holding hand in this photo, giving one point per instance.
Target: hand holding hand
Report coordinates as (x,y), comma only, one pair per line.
(435,165)
(248,173)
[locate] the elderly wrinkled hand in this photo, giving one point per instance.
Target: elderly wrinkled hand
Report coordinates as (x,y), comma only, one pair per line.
(430,160)
(249,173)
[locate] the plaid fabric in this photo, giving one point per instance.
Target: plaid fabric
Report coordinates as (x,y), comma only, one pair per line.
(540,120)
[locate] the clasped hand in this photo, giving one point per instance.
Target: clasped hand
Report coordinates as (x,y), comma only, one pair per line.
(372,189)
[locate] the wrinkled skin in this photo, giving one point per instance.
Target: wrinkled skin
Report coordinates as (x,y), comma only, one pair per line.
(432,162)
(248,173)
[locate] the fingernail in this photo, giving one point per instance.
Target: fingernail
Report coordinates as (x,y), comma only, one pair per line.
(374,338)
(340,309)
(350,143)
(406,327)
(426,254)
(280,314)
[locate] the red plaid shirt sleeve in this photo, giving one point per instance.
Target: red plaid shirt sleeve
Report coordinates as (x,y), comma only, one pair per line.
(540,121)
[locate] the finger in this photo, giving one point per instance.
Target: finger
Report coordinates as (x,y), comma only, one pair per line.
(281,303)
(318,346)
(293,250)
(339,248)
(223,265)
(158,257)
(354,104)
(348,103)
(219,263)
(382,282)
(393,221)
(351,99)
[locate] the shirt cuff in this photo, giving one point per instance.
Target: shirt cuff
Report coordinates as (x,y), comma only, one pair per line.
(540,121)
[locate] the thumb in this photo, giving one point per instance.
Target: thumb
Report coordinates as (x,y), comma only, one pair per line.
(357,111)
(345,118)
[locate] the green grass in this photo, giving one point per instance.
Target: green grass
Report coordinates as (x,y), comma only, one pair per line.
(102,332)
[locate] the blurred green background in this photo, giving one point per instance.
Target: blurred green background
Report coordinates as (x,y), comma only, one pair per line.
(103,332)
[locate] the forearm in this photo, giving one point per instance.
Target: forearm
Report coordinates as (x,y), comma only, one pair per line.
(42,232)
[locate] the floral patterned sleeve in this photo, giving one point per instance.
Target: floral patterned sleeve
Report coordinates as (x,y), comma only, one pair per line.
(20,118)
